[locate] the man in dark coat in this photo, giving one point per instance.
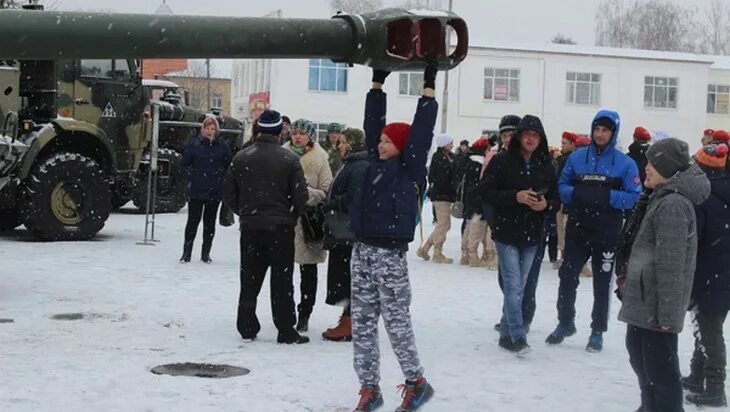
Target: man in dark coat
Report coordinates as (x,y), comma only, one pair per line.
(710,300)
(520,184)
(442,193)
(637,150)
(265,186)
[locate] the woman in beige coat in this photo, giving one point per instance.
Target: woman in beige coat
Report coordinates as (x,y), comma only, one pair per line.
(315,163)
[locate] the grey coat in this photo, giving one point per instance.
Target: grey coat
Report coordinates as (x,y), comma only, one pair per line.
(662,263)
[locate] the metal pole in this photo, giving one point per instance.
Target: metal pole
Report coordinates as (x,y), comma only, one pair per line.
(152,179)
(445,98)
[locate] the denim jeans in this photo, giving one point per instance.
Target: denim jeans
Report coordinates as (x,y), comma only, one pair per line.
(514,265)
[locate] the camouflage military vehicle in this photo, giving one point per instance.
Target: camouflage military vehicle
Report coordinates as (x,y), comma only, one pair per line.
(178,123)
(75,116)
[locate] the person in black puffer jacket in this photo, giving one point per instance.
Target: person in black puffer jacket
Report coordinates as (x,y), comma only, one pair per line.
(352,149)
(476,227)
(442,194)
(204,164)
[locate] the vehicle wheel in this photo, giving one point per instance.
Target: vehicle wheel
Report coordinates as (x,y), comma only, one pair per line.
(9,219)
(67,197)
(119,199)
(171,190)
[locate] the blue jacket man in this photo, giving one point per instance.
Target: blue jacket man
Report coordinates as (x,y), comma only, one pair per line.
(597,184)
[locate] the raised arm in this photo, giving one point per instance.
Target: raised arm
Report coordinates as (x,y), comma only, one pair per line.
(375,110)
(421,135)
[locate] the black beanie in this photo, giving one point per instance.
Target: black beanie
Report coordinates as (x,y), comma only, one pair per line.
(669,156)
(605,122)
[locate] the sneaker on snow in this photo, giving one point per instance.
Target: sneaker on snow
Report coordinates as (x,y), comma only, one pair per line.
(520,347)
(560,333)
(370,399)
(292,338)
(415,394)
(505,342)
(595,342)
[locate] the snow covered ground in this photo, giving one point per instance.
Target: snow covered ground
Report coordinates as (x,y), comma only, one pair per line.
(145,309)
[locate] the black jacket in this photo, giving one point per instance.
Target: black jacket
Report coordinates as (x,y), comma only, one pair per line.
(204,164)
(637,151)
(471,176)
(346,182)
(509,173)
(441,177)
(265,185)
(711,289)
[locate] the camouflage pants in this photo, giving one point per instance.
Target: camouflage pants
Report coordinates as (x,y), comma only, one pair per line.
(380,285)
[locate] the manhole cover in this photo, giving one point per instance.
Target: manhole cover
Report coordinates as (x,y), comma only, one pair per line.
(68,316)
(200,370)
(2,320)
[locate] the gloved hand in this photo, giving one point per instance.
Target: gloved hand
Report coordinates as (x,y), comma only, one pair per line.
(429,74)
(379,76)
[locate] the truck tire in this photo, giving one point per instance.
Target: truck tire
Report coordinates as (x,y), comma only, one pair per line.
(9,219)
(171,191)
(66,197)
(119,199)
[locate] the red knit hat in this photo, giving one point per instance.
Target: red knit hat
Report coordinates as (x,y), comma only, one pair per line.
(641,133)
(481,144)
(583,141)
(720,136)
(708,132)
(398,134)
(570,136)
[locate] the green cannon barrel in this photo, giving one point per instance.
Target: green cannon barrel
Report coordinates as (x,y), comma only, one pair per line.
(389,39)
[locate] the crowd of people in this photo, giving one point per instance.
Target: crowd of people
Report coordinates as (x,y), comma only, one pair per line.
(354,201)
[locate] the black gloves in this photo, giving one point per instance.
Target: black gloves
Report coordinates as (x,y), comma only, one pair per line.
(379,76)
(429,75)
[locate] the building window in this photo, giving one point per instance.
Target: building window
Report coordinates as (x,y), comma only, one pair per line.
(410,84)
(660,92)
(327,76)
(583,88)
(218,100)
(502,84)
(718,99)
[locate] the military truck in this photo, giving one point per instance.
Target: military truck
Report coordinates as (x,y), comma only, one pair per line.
(178,123)
(75,116)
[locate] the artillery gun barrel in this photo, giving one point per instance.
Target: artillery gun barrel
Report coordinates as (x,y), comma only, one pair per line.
(389,39)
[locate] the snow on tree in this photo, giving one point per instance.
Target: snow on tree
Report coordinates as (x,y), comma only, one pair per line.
(561,39)
(716,28)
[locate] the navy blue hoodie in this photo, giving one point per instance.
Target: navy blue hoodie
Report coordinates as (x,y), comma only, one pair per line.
(597,186)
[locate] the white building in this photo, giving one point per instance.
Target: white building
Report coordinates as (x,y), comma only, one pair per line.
(565,85)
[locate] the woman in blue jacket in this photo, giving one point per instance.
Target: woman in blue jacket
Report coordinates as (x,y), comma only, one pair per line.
(204,163)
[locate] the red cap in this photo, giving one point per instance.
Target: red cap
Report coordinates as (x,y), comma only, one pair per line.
(641,133)
(570,136)
(481,144)
(583,141)
(720,136)
(398,134)
(708,132)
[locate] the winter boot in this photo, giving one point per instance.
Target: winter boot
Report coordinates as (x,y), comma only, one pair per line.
(370,399)
(464,259)
(415,394)
(303,323)
(343,330)
(695,382)
(560,333)
(713,396)
(505,342)
(595,342)
(474,260)
(439,257)
(423,251)
(187,252)
(492,260)
(586,272)
(205,254)
(557,264)
(520,347)
(292,337)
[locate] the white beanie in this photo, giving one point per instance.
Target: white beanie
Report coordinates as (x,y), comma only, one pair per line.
(443,140)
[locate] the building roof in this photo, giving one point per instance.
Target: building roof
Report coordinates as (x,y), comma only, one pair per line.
(596,51)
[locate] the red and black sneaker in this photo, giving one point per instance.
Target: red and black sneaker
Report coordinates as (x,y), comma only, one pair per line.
(370,399)
(415,394)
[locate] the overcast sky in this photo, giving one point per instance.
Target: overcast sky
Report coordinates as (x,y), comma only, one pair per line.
(490,21)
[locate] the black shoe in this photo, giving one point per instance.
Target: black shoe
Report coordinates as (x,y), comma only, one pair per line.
(693,383)
(248,339)
(520,347)
(292,338)
(560,333)
(185,258)
(713,396)
(206,259)
(303,323)
(505,342)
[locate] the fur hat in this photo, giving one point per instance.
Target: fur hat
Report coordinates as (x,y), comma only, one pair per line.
(270,122)
(398,134)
